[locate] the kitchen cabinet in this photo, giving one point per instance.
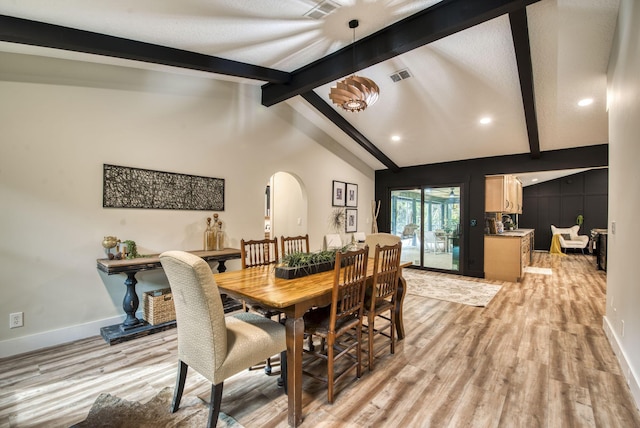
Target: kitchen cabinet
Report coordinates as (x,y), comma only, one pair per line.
(507,254)
(503,194)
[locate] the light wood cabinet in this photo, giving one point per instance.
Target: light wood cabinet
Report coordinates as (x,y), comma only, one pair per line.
(506,255)
(503,194)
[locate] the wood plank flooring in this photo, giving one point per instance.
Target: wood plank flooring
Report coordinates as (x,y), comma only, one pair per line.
(536,356)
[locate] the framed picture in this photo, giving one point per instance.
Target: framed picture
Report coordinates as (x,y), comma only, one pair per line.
(352,195)
(351,221)
(339,190)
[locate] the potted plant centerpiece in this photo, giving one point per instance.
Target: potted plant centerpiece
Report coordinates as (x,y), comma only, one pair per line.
(296,265)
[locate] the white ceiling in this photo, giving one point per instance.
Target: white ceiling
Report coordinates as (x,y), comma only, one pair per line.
(455,80)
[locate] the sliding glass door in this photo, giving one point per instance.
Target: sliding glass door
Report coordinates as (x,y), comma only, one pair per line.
(428,220)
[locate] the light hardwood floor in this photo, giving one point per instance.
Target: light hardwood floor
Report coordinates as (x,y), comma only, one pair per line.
(537,356)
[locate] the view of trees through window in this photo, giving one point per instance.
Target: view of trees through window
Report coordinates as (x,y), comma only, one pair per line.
(428,221)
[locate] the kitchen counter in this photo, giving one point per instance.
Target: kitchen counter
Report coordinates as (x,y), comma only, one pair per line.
(518,233)
(507,254)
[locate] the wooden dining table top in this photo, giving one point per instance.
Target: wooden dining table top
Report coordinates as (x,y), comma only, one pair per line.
(261,285)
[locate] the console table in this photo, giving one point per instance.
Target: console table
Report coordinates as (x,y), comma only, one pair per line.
(133,327)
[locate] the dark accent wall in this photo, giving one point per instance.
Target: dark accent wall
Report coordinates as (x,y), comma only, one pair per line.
(471,174)
(559,202)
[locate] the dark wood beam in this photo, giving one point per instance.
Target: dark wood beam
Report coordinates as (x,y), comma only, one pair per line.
(323,107)
(434,23)
(520,34)
(17,30)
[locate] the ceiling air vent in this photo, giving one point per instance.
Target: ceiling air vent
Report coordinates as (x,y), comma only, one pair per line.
(322,9)
(400,75)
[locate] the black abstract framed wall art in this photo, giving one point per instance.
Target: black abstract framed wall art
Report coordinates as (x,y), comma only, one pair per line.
(126,187)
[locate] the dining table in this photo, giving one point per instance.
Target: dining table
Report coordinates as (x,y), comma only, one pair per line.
(294,297)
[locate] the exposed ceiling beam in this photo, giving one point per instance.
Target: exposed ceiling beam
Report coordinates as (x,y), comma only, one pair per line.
(323,107)
(17,30)
(434,23)
(520,34)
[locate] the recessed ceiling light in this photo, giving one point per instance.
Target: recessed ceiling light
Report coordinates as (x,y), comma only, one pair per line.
(395,138)
(585,102)
(485,120)
(533,180)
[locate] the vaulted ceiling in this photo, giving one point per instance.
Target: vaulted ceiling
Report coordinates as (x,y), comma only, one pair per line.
(523,64)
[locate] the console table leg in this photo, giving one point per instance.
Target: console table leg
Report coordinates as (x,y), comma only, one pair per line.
(131,302)
(221,266)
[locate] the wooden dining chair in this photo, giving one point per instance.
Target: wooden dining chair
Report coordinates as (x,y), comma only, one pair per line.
(380,302)
(340,324)
(294,244)
(260,252)
(256,253)
(215,346)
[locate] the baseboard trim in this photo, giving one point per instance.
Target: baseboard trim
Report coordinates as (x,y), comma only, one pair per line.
(627,371)
(21,345)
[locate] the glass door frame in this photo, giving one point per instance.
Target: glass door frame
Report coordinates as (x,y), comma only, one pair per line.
(461,236)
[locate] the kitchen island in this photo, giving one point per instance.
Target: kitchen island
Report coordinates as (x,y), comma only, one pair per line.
(507,254)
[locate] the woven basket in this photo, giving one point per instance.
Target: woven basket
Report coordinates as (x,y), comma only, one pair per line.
(158,306)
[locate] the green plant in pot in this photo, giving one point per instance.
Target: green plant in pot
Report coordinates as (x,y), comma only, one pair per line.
(295,265)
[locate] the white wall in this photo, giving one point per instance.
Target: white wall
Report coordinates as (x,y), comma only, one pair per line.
(622,321)
(60,121)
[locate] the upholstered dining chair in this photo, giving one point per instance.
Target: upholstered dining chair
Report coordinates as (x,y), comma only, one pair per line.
(215,346)
(340,325)
(332,241)
(255,253)
(294,244)
(381,239)
(380,301)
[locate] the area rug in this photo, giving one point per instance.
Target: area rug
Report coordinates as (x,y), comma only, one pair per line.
(113,412)
(441,287)
(538,270)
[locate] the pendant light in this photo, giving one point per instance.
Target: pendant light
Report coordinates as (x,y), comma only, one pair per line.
(354,93)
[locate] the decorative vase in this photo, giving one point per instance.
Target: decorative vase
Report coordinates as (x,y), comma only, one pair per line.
(219,237)
(209,236)
(109,242)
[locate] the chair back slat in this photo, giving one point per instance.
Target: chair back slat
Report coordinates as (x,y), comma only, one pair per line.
(294,244)
(386,270)
(350,277)
(260,252)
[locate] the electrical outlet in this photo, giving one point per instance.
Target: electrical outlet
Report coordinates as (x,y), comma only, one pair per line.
(16,320)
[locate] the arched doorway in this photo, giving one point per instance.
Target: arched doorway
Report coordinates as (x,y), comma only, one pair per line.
(286,206)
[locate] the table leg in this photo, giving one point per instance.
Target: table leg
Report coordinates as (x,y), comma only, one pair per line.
(295,338)
(402,290)
(130,303)
(221,266)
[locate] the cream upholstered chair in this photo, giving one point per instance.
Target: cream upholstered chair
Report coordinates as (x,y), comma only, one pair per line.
(215,346)
(569,237)
(332,241)
(380,302)
(381,239)
(359,237)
